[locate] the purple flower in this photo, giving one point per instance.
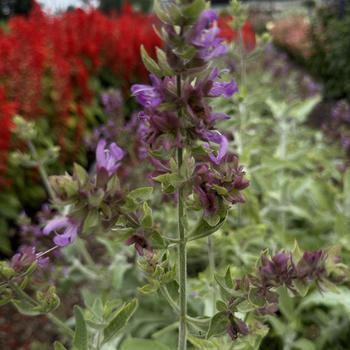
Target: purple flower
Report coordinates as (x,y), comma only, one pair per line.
(25,257)
(195,98)
(107,159)
(112,102)
(226,89)
(139,242)
(205,37)
(277,270)
(222,141)
(68,226)
(311,266)
(157,124)
(341,112)
(227,175)
(236,327)
(149,96)
(208,199)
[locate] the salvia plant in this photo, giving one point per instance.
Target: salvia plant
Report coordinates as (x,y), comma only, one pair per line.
(194,169)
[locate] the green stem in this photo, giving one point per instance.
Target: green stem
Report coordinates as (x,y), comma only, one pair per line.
(182,254)
(84,252)
(283,143)
(42,171)
(211,256)
(175,307)
(243,67)
(54,319)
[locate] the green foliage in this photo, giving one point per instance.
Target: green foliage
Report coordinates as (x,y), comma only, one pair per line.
(80,340)
(330,59)
(120,320)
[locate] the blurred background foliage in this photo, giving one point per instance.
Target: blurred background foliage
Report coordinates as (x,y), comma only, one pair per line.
(290,125)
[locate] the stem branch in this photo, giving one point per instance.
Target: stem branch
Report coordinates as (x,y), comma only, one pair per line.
(54,319)
(42,171)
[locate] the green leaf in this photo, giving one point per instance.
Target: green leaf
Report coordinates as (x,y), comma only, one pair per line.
(304,344)
(222,191)
(147,220)
(297,253)
(212,220)
(25,308)
(141,194)
(302,109)
(80,340)
(148,289)
(218,324)
(163,62)
(200,343)
(80,174)
(192,11)
(169,182)
(301,287)
(95,198)
(286,304)
(161,14)
(228,277)
(92,220)
(255,298)
(156,240)
(144,344)
(203,229)
(120,320)
(150,63)
(279,327)
(221,305)
(59,346)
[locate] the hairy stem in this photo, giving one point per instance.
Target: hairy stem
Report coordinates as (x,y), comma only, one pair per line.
(42,171)
(243,67)
(211,256)
(182,255)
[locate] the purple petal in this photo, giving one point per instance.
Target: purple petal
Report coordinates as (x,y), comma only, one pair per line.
(116,151)
(227,89)
(62,240)
(223,146)
(217,51)
(218,116)
(43,262)
(206,18)
(214,74)
(67,237)
(100,154)
(55,224)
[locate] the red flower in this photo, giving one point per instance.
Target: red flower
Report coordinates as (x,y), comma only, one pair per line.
(229,34)
(48,65)
(7,110)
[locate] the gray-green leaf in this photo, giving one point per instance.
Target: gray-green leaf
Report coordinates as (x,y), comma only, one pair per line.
(120,320)
(80,340)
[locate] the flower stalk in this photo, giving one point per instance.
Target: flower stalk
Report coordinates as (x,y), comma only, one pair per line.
(182,254)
